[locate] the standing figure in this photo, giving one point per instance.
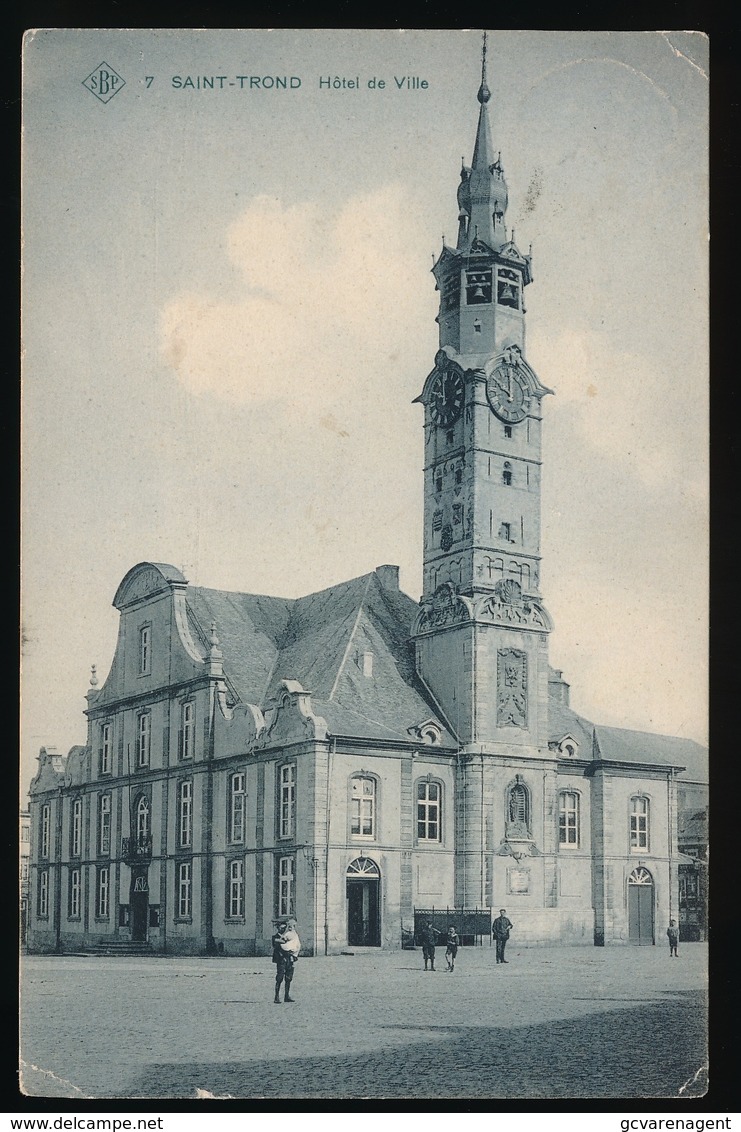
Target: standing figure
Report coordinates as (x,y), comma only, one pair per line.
(673,932)
(451,949)
(500,929)
(428,935)
(286,947)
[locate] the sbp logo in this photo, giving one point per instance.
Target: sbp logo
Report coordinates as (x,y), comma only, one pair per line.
(104,82)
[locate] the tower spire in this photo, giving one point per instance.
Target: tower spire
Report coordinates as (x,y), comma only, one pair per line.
(483,195)
(484,93)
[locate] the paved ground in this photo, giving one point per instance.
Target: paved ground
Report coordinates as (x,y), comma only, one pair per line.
(554,1022)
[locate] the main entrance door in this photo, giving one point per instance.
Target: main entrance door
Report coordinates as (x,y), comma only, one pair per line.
(139,906)
(363,903)
(641,906)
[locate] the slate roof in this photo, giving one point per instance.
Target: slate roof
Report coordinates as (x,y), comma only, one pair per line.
(617,744)
(319,640)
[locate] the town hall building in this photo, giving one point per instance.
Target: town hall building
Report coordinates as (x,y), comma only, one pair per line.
(353,757)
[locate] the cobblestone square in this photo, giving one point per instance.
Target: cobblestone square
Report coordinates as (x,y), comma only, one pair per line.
(558,1023)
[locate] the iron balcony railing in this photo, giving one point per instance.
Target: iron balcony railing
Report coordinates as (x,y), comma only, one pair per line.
(136,848)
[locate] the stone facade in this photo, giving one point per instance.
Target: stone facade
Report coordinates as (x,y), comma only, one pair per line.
(352,756)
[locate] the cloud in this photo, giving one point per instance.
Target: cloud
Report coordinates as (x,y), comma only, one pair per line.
(629,408)
(316,305)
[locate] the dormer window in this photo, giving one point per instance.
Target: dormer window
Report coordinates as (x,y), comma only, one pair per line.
(568,747)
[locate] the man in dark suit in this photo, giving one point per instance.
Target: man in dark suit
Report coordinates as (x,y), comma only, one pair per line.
(500,929)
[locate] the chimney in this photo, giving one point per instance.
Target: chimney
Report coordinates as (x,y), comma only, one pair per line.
(388,576)
(557,686)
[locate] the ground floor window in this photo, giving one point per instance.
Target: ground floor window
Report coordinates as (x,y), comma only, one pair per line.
(103,889)
(73,902)
(43,894)
(235,898)
(286,886)
(185,889)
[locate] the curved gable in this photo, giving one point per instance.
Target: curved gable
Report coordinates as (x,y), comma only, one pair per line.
(145,580)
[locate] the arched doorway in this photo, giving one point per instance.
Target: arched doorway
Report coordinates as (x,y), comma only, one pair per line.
(641,906)
(363,903)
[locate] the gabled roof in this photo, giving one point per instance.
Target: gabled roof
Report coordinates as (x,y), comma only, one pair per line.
(321,641)
(349,646)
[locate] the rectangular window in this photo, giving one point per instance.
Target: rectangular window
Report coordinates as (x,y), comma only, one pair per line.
(76,838)
(143,738)
(237,800)
(287,801)
(508,431)
(104,825)
(235,903)
(185,815)
(45,830)
(145,650)
(428,811)
(24,869)
(568,819)
(187,729)
(363,807)
(286,886)
(505,531)
(185,889)
(105,753)
(639,823)
(102,893)
(43,893)
(25,832)
(73,908)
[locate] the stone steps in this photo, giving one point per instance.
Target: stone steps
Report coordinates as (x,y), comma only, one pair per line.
(118,947)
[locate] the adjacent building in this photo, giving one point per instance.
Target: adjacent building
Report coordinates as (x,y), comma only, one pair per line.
(353,757)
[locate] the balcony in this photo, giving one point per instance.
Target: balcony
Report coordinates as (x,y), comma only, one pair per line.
(137,848)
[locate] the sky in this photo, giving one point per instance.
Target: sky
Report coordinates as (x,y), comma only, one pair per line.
(228,311)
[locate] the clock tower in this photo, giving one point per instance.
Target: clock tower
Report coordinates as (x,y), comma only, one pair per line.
(481,637)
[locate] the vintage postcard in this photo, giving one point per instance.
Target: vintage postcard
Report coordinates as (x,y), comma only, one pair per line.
(364,564)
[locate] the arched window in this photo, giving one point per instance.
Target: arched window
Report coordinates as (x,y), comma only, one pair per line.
(429,810)
(142,819)
(568,819)
(507,474)
(639,823)
(363,806)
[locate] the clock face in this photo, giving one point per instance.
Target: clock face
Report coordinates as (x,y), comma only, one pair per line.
(446,398)
(508,393)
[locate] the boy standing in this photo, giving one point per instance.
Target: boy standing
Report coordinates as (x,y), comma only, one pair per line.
(451,949)
(673,932)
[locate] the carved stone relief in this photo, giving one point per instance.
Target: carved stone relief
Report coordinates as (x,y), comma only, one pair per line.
(445,607)
(511,688)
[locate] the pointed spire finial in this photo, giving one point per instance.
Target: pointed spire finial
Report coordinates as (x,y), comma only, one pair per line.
(214,637)
(484,93)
